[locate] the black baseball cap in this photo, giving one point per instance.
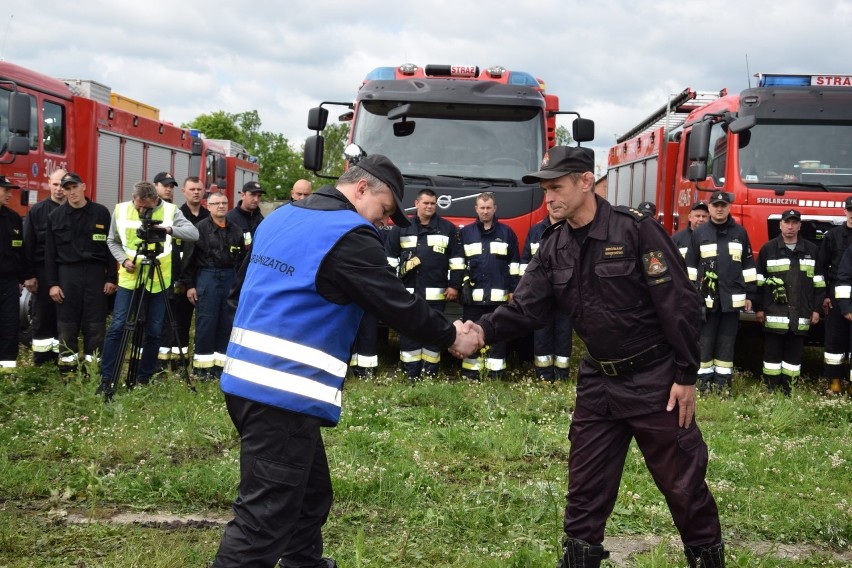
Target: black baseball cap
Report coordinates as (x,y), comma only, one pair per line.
(700,205)
(562,160)
(720,196)
(252,187)
(791,214)
(381,167)
(165,178)
(70,178)
(647,207)
(848,203)
(4,182)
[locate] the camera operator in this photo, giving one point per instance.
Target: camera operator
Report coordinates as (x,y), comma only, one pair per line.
(143,227)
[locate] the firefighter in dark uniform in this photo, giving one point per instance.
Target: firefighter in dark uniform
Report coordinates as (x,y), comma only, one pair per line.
(209,275)
(166,184)
(619,276)
(720,262)
(246,214)
(81,272)
(843,303)
(45,343)
(837,336)
(698,215)
(492,268)
(297,314)
(195,212)
(552,344)
(428,258)
(790,293)
(14,270)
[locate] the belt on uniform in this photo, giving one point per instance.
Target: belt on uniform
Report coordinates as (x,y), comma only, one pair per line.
(614,368)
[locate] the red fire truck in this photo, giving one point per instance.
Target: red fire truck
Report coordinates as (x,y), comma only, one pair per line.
(457,130)
(111,141)
(786,143)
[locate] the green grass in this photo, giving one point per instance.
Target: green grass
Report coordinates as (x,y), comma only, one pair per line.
(439,473)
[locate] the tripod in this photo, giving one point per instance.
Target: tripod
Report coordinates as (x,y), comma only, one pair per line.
(134,325)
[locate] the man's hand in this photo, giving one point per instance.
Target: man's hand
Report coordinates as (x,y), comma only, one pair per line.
(56,294)
(192,296)
(469,339)
(814,318)
(747,306)
(826,305)
(109,288)
(684,396)
(129,265)
(31,284)
(451,294)
(760,317)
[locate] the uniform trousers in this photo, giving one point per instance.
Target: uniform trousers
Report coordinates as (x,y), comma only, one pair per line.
(285,491)
(83,309)
(495,356)
(417,358)
(552,347)
(153,312)
(212,321)
(782,359)
(675,456)
(716,347)
(836,343)
(45,334)
(10,294)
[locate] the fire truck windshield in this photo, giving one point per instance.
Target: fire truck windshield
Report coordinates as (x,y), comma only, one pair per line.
(817,155)
(460,140)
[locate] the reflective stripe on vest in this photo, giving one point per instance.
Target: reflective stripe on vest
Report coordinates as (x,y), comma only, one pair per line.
(127,222)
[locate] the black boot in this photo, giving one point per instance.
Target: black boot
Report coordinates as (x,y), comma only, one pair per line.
(580,554)
(700,557)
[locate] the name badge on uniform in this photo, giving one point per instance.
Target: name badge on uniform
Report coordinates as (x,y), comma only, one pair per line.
(736,251)
(99,237)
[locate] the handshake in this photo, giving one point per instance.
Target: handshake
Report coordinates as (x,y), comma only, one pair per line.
(470,338)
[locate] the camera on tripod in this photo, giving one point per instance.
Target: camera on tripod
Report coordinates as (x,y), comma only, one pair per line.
(150,232)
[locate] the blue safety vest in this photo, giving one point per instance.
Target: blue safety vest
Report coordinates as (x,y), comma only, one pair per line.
(289,346)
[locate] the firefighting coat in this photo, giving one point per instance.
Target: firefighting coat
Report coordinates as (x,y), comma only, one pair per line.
(438,253)
(532,242)
(723,250)
(790,287)
(834,244)
(492,261)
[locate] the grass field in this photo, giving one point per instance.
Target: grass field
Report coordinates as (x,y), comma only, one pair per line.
(438,473)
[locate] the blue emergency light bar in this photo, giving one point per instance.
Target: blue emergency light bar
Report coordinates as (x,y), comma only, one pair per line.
(784,81)
(381,74)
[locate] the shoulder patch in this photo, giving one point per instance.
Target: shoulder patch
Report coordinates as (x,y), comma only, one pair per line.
(551,229)
(630,211)
(655,264)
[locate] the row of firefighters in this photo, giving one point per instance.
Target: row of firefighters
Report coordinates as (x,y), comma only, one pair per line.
(72,255)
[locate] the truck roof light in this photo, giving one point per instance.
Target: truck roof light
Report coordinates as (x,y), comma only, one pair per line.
(408,68)
(784,80)
(381,74)
(525,79)
(496,71)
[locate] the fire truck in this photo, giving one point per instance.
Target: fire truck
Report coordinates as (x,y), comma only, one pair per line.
(458,131)
(110,140)
(786,143)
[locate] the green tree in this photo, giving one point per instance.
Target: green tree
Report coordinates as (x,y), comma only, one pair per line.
(563,137)
(219,124)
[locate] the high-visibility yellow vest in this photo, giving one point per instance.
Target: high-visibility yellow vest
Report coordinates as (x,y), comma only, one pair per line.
(127,222)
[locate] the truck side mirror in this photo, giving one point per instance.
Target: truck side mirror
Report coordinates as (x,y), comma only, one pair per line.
(583,130)
(317,118)
(314,149)
(699,142)
(19,114)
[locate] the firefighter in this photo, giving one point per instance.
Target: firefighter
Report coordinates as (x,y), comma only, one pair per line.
(790,293)
(246,214)
(209,275)
(698,215)
(166,184)
(298,311)
(837,336)
(301,189)
(14,270)
(45,342)
(428,258)
(128,249)
(492,268)
(720,262)
(182,308)
(551,344)
(80,272)
(364,361)
(622,280)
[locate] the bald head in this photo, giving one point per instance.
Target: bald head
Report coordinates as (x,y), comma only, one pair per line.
(57,194)
(301,189)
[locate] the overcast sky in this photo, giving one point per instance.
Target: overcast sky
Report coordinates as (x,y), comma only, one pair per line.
(614,61)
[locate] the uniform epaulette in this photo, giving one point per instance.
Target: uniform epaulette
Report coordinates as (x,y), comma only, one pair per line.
(635,213)
(551,229)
